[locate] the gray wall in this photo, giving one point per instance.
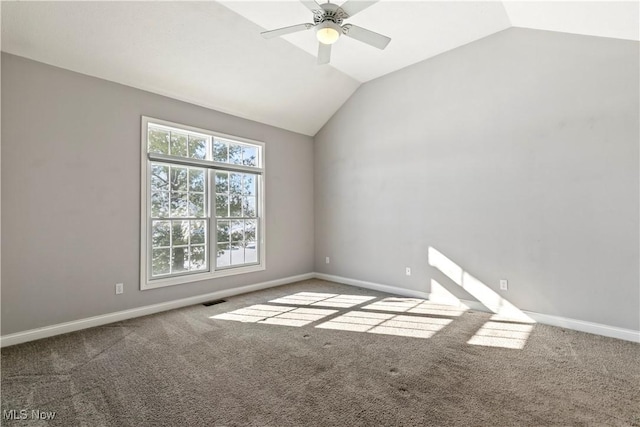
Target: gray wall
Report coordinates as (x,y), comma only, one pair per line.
(515,156)
(71,195)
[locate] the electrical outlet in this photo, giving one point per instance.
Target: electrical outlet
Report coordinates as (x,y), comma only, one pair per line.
(504,285)
(119,288)
(327,260)
(407,271)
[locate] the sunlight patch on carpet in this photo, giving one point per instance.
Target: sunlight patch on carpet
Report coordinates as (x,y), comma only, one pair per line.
(275,315)
(501,334)
(323,299)
(394,304)
(387,324)
(416,306)
(399,316)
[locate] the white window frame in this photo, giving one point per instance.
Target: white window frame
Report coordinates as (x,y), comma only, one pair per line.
(146,281)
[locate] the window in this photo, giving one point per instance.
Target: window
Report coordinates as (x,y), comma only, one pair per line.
(202,204)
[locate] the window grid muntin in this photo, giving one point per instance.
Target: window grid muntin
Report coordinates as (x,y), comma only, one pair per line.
(180,188)
(170,131)
(218,141)
(229,220)
(170,191)
(189,246)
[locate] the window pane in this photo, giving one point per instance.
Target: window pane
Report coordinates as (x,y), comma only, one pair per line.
(160,204)
(198,232)
(235,206)
(196,179)
(235,183)
(197,258)
(196,205)
(178,178)
(178,144)
(237,231)
(223,232)
(250,252)
(222,206)
(178,204)
(222,182)
(223,257)
(249,230)
(228,151)
(235,154)
(159,177)
(248,206)
(220,151)
(180,233)
(161,233)
(237,253)
(249,156)
(197,147)
(249,184)
(158,141)
(179,259)
(160,262)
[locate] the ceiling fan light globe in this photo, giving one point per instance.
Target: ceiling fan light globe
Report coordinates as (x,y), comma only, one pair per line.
(328,33)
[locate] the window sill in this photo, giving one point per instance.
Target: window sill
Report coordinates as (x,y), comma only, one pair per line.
(199,277)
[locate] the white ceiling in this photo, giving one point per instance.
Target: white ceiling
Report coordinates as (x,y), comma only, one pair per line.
(211,54)
(200,52)
(418,30)
(613,19)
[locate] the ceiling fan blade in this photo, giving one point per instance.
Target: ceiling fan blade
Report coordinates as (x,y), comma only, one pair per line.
(351,7)
(366,36)
(286,30)
(312,5)
(324,53)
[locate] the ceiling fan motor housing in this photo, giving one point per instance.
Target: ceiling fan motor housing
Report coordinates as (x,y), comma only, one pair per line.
(329,12)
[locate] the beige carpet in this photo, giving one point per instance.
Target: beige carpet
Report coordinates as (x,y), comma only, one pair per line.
(317,353)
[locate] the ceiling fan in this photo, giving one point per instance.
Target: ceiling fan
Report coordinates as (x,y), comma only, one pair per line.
(327,21)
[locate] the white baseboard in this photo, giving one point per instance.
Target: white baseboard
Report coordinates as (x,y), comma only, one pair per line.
(76,325)
(90,322)
(584,326)
(372,285)
(545,319)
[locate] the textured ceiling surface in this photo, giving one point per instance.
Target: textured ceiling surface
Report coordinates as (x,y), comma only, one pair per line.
(211,53)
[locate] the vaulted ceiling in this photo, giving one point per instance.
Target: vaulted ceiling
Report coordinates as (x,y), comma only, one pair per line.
(212,54)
